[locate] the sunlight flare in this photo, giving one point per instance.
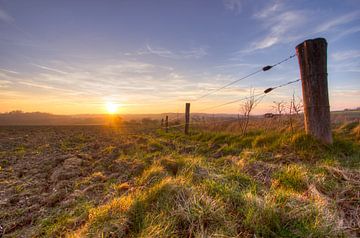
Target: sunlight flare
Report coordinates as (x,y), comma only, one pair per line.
(112,108)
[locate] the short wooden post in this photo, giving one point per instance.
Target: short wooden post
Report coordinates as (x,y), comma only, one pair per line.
(166,123)
(162,122)
(187,117)
(312,56)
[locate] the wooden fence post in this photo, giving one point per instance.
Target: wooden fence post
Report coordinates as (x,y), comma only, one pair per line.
(166,123)
(187,117)
(312,56)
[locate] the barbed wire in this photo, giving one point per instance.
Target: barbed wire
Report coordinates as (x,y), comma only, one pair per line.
(266,68)
(268,90)
(231,102)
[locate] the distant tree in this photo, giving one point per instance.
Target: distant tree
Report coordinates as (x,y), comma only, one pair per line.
(279,107)
(246,109)
(295,107)
(16,112)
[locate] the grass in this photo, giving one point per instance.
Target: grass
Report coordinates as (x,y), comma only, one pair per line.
(209,184)
(292,176)
(60,222)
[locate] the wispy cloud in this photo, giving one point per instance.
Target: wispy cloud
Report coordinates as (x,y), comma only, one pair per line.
(38,85)
(131,67)
(9,71)
(4,83)
(5,17)
(233,5)
(270,9)
(345,92)
(346,55)
(338,21)
(194,53)
(237,66)
(345,32)
(281,25)
(50,69)
(129,78)
(347,66)
(131,82)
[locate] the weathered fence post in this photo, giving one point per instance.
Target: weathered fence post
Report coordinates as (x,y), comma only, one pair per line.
(187,117)
(166,123)
(312,55)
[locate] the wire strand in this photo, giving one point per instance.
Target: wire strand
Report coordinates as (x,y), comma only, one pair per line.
(266,91)
(227,85)
(266,68)
(231,102)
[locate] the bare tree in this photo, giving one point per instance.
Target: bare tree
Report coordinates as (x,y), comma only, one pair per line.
(291,111)
(279,107)
(246,109)
(295,107)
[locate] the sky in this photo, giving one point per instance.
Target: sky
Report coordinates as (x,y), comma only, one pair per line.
(77,57)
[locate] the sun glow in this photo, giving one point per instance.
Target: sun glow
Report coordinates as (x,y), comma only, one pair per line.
(112,108)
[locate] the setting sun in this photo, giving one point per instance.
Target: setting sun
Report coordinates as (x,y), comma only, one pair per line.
(111,107)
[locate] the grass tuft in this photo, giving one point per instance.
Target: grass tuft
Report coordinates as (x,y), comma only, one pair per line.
(152,175)
(292,177)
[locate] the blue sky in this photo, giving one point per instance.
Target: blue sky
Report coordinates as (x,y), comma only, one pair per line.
(71,57)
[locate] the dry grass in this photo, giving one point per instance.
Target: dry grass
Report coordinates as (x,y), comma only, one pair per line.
(92,182)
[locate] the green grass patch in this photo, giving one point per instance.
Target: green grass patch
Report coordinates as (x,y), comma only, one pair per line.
(293,177)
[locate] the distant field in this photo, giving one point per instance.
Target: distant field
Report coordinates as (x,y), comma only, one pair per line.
(350,112)
(38,118)
(99,181)
(345,115)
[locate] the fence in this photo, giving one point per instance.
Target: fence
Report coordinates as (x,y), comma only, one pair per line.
(312,57)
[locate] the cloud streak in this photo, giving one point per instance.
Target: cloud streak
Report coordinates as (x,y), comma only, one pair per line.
(50,69)
(194,53)
(5,17)
(338,21)
(284,25)
(346,55)
(233,5)
(9,71)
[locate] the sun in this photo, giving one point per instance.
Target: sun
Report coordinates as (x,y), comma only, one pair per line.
(111,107)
